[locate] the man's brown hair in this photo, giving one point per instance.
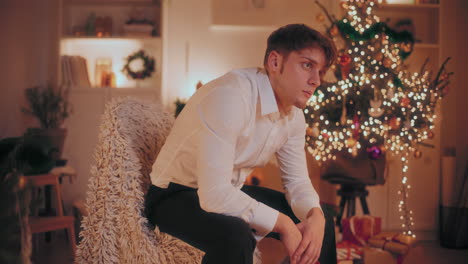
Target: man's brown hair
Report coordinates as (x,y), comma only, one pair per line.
(296,37)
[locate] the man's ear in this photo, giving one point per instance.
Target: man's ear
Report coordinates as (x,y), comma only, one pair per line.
(274,61)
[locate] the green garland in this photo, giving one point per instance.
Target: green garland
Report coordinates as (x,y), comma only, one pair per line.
(377,28)
(148,64)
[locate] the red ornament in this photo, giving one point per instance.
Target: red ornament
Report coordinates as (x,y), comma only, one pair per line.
(387,62)
(405,101)
(344,59)
(394,123)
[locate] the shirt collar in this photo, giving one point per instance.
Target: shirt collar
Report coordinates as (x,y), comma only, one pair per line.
(268,104)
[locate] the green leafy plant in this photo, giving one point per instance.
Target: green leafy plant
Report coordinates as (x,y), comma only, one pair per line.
(49,105)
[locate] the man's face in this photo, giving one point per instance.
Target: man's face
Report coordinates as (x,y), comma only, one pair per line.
(298,76)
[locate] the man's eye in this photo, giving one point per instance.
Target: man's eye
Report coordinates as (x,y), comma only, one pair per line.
(308,65)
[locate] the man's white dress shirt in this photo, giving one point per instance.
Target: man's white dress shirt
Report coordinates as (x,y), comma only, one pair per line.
(230,126)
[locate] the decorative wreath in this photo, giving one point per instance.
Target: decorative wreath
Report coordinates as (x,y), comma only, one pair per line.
(139,66)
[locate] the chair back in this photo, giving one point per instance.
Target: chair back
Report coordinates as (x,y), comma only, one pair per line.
(115,230)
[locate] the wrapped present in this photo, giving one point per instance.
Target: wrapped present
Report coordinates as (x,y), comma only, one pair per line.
(347,252)
(379,256)
(358,229)
(393,242)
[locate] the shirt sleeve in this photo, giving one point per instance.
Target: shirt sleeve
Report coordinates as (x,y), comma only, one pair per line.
(300,193)
(224,113)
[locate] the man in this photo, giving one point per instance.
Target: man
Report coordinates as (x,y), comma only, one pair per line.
(228,127)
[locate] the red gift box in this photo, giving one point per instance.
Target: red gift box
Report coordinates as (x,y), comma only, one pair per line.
(347,251)
(358,229)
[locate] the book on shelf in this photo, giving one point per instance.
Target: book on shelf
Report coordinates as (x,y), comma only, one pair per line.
(75,71)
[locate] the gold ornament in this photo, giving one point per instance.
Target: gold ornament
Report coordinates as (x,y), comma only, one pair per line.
(344,5)
(417,154)
(320,18)
(350,142)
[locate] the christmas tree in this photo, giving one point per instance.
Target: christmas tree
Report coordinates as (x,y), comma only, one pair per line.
(373,104)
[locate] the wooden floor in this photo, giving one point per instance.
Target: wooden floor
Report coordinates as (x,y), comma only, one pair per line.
(58,252)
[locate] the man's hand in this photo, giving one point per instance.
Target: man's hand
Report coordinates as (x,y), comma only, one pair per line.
(312,230)
(289,234)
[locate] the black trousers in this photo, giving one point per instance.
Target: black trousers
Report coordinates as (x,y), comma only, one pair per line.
(224,239)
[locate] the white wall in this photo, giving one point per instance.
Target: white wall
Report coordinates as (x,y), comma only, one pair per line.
(197,49)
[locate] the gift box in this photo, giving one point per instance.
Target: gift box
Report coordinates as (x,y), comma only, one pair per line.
(358,229)
(348,252)
(393,242)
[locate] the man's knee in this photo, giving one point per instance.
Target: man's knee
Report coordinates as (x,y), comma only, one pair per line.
(239,236)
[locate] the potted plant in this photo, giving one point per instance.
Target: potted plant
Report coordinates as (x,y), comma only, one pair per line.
(50,106)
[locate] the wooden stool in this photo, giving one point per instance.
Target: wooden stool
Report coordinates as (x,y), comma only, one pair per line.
(51,223)
(349,193)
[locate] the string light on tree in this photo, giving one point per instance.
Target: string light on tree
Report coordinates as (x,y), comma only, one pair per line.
(373,104)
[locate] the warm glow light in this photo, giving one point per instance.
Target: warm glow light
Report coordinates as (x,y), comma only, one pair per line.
(117,49)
